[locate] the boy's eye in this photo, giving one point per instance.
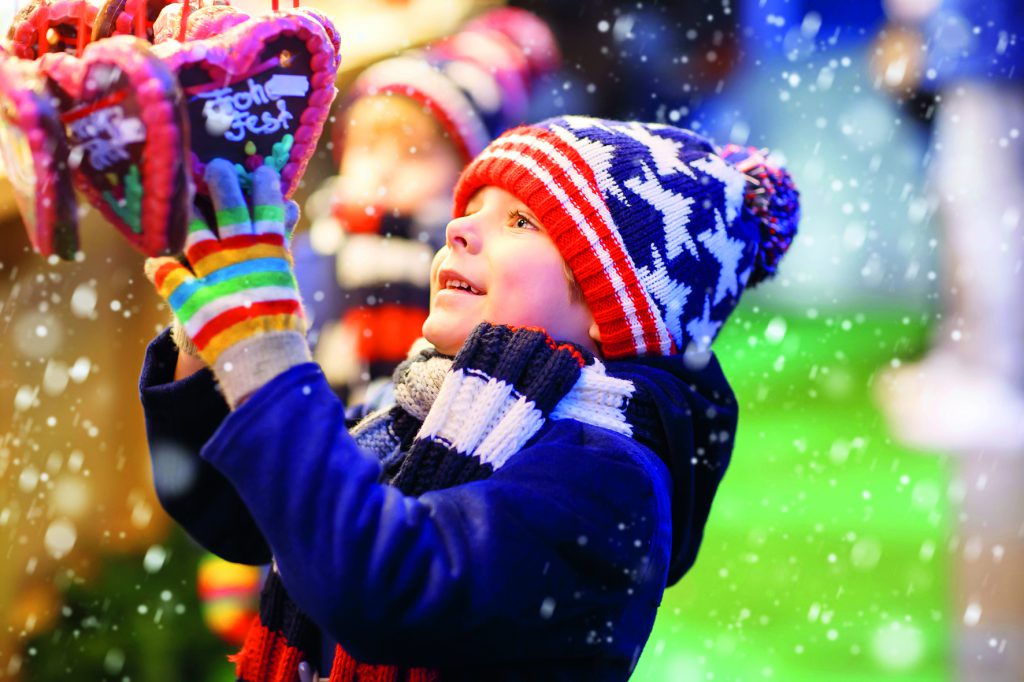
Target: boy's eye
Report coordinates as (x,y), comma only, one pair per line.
(520,221)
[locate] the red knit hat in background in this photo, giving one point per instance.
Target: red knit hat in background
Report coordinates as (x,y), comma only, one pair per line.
(475,84)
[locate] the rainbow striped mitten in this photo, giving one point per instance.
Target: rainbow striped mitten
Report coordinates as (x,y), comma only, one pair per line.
(239,303)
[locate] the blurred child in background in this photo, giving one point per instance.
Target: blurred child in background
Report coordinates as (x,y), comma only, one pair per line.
(967,393)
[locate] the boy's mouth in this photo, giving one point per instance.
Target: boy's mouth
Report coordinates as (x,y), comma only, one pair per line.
(450,280)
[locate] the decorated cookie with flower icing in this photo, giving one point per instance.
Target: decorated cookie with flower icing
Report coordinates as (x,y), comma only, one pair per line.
(35,156)
(257,94)
(125,122)
(48,26)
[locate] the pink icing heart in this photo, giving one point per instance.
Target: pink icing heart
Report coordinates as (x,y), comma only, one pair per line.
(125,121)
(47,26)
(262,89)
(35,155)
(329,28)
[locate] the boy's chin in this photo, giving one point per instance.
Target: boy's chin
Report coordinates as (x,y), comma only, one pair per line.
(443,338)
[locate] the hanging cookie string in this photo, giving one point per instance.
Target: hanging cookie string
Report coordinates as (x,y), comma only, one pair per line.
(44,43)
(185,8)
(140,19)
(80,45)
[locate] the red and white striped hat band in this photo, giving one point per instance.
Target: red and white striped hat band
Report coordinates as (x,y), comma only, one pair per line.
(645,216)
(422,82)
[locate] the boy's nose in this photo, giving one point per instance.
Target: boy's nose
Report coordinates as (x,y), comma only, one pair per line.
(461,234)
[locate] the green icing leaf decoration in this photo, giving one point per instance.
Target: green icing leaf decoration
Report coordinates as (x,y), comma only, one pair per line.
(280,153)
(244,178)
(278,157)
(128,209)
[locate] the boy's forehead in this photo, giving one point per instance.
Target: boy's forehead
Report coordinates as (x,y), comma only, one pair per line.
(494,195)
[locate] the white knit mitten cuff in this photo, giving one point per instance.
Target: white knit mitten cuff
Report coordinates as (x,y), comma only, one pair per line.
(247,365)
(181,340)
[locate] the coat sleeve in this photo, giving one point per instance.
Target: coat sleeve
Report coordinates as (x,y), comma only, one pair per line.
(560,553)
(180,417)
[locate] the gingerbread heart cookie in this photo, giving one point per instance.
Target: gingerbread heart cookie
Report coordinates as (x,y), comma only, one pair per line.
(125,122)
(35,157)
(48,26)
(258,94)
(201,22)
(118,17)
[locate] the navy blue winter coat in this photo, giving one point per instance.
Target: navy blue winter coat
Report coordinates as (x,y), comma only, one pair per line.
(551,568)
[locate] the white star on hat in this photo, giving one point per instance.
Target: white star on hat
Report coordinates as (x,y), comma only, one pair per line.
(664,151)
(734,182)
(727,252)
(703,329)
(671,294)
(674,208)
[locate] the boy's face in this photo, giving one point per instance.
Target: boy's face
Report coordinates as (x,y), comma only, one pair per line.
(516,275)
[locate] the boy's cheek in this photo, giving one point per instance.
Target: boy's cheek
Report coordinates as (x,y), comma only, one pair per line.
(518,310)
(435,265)
(526,295)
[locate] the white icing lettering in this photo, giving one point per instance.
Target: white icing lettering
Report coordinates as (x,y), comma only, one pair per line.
(228,112)
(104,135)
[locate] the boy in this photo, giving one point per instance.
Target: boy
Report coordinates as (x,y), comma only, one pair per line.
(519,511)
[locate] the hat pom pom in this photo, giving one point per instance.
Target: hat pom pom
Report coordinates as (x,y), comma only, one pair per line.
(772,199)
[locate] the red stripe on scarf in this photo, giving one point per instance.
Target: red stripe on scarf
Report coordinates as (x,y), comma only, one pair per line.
(266,656)
(347,669)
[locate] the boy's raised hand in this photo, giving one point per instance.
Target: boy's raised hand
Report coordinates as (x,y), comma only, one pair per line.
(237,300)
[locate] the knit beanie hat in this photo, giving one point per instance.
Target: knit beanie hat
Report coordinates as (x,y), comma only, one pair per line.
(476,83)
(661,231)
